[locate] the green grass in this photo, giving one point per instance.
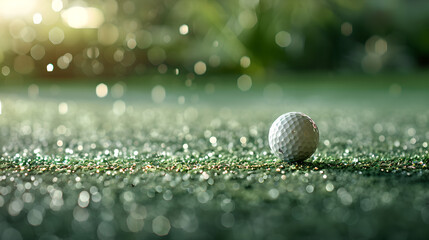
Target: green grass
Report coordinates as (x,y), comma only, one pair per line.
(152,170)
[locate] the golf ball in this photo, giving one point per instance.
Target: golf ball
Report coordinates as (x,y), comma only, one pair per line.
(293,136)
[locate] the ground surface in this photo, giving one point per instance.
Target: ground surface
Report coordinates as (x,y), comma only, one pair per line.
(198,165)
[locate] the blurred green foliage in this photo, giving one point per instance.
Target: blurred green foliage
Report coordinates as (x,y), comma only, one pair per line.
(228,36)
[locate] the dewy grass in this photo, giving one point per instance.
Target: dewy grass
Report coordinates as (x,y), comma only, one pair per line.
(119,169)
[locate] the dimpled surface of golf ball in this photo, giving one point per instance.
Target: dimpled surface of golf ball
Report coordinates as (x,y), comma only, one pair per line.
(293,137)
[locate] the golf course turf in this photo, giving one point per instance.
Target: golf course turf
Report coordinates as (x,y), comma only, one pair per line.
(195,164)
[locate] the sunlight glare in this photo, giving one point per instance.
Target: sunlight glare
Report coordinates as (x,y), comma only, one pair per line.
(80,17)
(13,8)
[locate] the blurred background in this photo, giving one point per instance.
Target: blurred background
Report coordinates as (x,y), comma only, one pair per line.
(69,39)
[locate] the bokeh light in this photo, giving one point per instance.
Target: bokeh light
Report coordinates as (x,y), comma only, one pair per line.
(200,68)
(37,18)
(184,29)
(108,34)
(56,35)
(63,108)
(138,37)
(37,52)
(244,82)
(80,17)
(50,67)
(283,39)
(158,94)
(57,5)
(245,62)
(16,8)
(346,29)
(101,90)
(5,70)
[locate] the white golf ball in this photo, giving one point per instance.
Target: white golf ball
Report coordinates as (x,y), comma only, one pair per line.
(293,137)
